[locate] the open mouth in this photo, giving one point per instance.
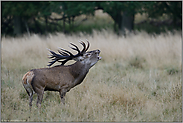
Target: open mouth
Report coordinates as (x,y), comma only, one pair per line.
(98,55)
(99,58)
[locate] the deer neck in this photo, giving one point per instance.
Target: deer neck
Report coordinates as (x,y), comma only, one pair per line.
(78,69)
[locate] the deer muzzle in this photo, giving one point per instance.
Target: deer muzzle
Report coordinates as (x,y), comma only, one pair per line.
(99,58)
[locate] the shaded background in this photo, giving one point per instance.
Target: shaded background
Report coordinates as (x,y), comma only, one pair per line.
(72,17)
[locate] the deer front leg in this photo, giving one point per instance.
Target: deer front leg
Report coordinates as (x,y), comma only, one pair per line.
(62,96)
(40,92)
(39,100)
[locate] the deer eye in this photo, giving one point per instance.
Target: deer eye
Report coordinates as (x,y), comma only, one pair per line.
(88,54)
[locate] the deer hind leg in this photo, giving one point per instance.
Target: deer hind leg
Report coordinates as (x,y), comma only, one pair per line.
(62,96)
(30,101)
(26,81)
(39,91)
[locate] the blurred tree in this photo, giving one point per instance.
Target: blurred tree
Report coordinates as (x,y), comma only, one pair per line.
(171,8)
(19,13)
(44,11)
(18,17)
(123,13)
(70,10)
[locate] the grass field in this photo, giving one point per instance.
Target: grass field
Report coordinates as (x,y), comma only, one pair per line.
(138,79)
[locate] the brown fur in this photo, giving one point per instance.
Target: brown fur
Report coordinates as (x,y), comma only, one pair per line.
(28,77)
(59,78)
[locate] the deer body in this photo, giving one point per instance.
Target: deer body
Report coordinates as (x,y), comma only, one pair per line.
(58,78)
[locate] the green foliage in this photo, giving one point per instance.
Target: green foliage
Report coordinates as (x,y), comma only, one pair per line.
(26,13)
(35,16)
(24,9)
(173,9)
(73,8)
(131,7)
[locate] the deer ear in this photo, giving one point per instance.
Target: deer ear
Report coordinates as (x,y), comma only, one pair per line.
(80,58)
(87,55)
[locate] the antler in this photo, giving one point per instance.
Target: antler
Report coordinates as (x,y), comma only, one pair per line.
(66,55)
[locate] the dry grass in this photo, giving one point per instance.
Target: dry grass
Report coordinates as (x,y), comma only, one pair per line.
(138,79)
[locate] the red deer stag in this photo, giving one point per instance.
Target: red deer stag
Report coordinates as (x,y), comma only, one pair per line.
(62,77)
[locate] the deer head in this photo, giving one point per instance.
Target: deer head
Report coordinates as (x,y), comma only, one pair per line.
(90,58)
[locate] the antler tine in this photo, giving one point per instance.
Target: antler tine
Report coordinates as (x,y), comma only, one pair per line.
(51,63)
(88,45)
(63,53)
(63,62)
(66,51)
(56,57)
(76,48)
(84,46)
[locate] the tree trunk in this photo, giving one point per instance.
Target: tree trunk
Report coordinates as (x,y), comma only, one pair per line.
(37,27)
(28,32)
(17,25)
(72,21)
(115,27)
(46,22)
(127,23)
(117,22)
(64,23)
(69,22)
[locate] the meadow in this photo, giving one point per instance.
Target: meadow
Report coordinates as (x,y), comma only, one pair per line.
(138,79)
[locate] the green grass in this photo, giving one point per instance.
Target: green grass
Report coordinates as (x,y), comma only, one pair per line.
(138,79)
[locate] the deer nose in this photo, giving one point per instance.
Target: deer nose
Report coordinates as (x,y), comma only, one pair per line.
(98,51)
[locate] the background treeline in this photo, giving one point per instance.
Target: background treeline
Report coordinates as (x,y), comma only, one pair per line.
(37,17)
